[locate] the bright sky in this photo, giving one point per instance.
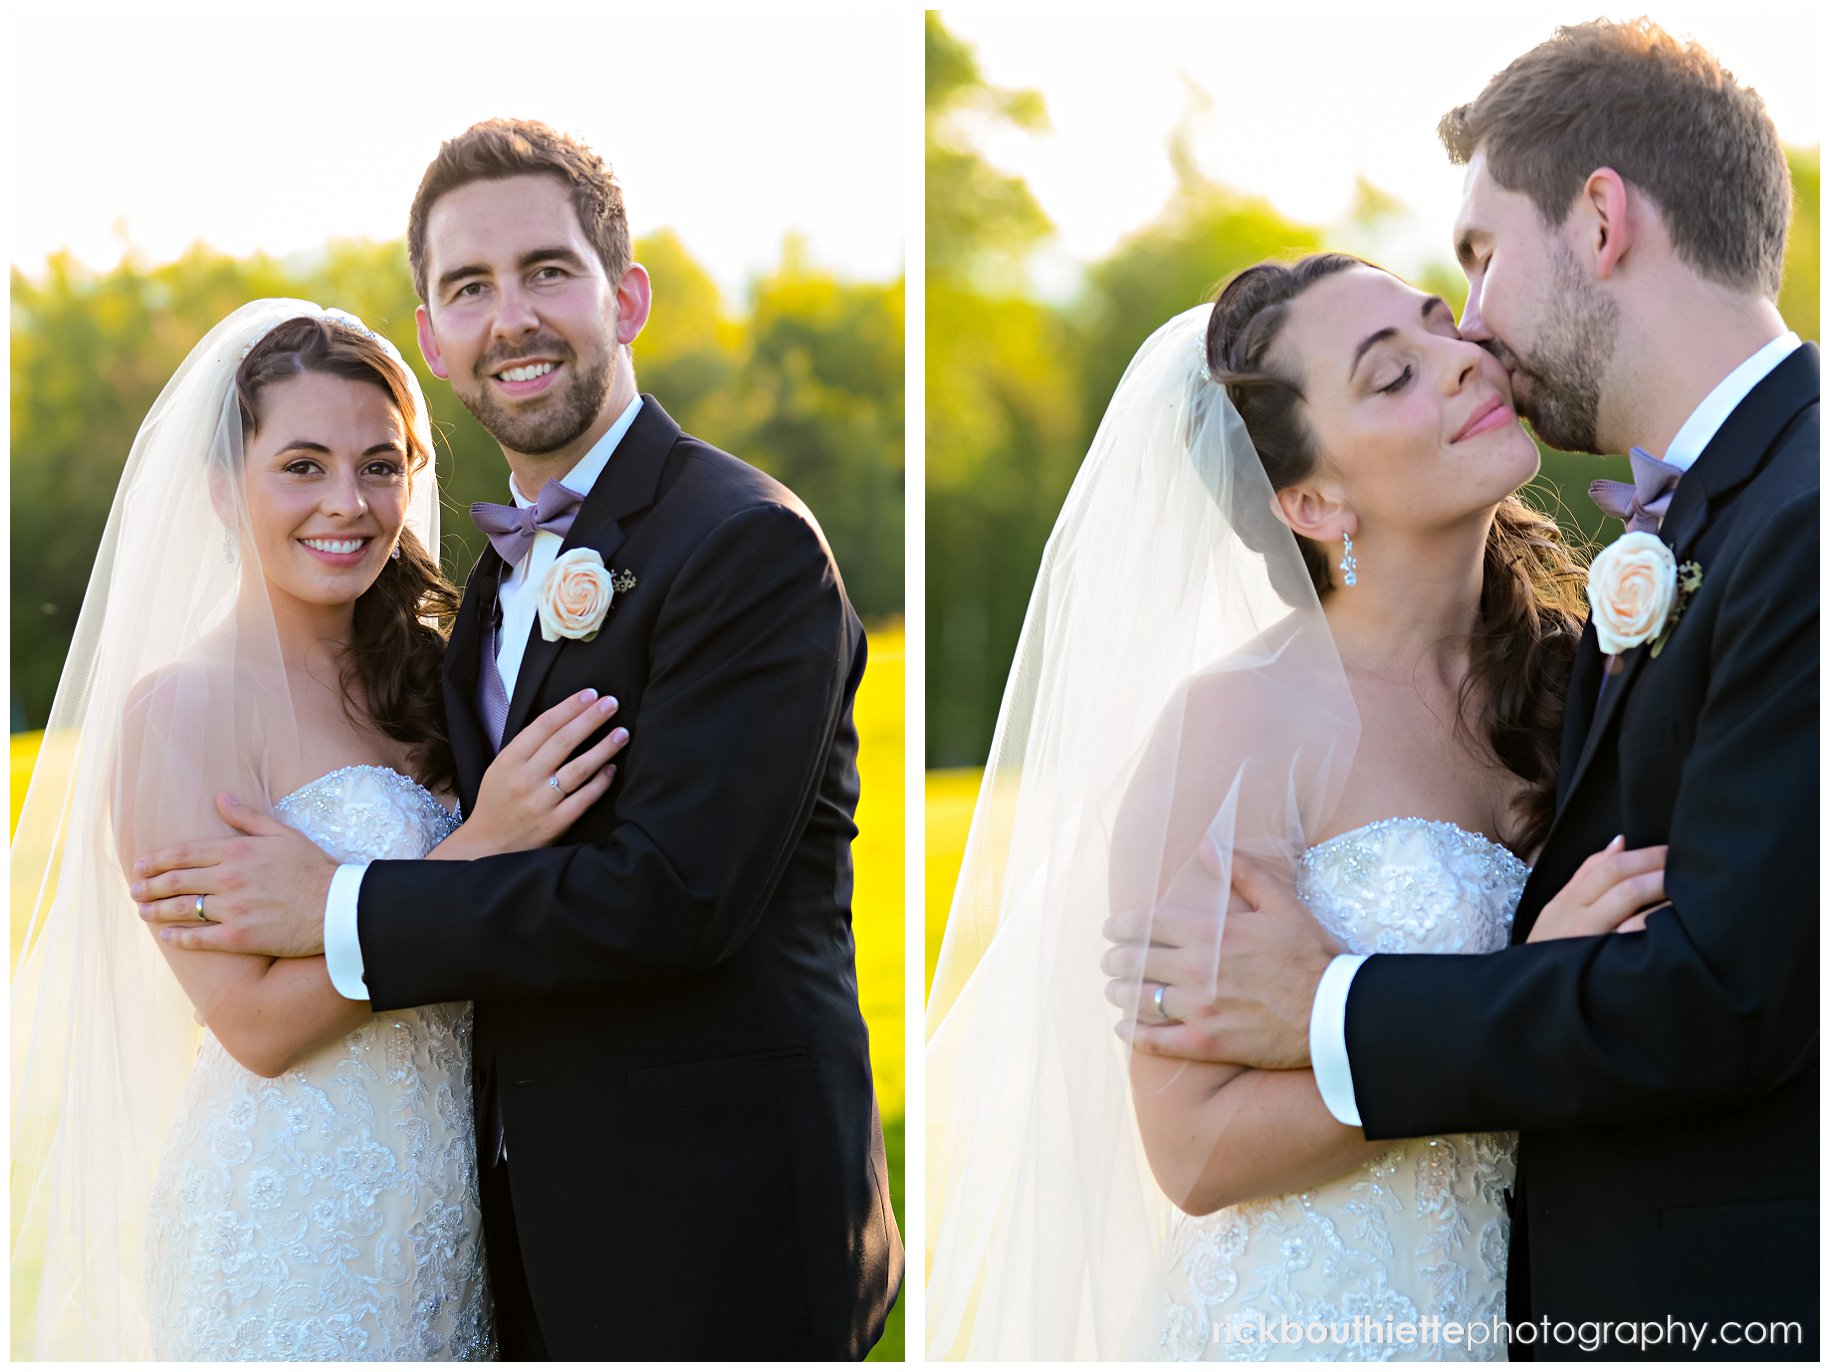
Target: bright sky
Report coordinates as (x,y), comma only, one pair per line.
(1303,99)
(279,126)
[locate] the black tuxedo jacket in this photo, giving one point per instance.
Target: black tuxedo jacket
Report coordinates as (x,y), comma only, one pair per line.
(666,1002)
(1664,1084)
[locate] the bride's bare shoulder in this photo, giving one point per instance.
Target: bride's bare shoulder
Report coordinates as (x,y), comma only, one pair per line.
(1270,686)
(201,684)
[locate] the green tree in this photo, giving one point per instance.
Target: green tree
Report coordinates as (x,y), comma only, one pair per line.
(818,403)
(1002,410)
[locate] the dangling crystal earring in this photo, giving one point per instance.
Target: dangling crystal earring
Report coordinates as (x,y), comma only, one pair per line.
(228,547)
(1349,564)
(395,554)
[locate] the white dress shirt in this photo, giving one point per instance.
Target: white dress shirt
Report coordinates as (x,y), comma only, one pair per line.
(519,602)
(1328,1014)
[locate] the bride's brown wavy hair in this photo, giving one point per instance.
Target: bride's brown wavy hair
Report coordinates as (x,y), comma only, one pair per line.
(1532,606)
(393,661)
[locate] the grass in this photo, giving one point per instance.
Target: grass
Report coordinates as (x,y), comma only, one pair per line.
(877,905)
(951,795)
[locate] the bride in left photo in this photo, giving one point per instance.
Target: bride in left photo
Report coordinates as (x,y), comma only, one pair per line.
(457,743)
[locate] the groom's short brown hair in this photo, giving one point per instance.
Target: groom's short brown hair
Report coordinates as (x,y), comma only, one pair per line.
(1666,115)
(500,148)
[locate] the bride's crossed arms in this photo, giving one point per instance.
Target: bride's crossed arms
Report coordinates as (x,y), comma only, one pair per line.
(1217,1134)
(270,1014)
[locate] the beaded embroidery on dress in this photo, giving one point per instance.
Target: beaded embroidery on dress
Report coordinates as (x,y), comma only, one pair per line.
(1421,1230)
(330,1213)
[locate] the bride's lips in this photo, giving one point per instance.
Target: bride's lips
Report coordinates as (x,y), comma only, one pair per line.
(1489,415)
(519,389)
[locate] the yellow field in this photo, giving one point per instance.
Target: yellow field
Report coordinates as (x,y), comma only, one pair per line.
(877,862)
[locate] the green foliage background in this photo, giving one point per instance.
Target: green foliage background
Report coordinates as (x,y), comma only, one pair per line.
(804,378)
(1016,384)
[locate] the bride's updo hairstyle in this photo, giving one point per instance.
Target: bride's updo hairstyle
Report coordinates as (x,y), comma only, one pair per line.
(1532,607)
(401,621)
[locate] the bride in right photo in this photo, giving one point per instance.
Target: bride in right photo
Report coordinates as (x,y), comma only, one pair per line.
(1386,925)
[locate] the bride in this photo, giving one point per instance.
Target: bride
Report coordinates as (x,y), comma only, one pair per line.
(261,622)
(1292,624)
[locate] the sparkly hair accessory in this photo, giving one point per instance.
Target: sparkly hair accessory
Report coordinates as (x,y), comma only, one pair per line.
(343,319)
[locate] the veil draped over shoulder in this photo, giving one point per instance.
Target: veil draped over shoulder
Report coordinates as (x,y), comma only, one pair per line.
(173,691)
(1174,680)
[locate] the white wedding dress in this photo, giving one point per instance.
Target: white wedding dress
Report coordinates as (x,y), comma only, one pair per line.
(1421,1230)
(330,1213)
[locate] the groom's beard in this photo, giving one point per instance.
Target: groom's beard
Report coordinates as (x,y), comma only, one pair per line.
(1561,396)
(559,418)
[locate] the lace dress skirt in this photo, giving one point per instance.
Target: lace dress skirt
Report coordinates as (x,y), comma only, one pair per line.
(330,1213)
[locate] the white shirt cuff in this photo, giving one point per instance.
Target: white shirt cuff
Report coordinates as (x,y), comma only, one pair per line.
(342,947)
(1328,1038)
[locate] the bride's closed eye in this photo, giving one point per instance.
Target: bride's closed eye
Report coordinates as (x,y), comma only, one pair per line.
(1403,380)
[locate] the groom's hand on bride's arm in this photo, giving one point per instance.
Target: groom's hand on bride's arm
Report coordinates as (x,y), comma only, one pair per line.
(1249,1005)
(263,889)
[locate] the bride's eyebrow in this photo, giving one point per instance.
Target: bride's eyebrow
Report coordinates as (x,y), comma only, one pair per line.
(1378,336)
(308,445)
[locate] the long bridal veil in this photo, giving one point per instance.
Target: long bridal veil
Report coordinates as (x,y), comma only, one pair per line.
(173,691)
(1175,680)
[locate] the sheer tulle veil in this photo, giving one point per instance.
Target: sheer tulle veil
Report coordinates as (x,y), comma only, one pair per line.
(172,692)
(1174,680)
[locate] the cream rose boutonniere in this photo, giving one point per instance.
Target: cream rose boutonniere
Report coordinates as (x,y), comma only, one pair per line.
(1637,592)
(575,596)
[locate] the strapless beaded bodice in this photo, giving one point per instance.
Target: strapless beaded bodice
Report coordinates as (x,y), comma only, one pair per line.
(366,814)
(1419,1231)
(331,1212)
(1412,886)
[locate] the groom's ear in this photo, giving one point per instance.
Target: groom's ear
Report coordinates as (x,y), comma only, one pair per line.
(1604,214)
(1314,512)
(428,343)
(634,297)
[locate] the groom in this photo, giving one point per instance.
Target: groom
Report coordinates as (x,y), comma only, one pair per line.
(1622,229)
(678,1137)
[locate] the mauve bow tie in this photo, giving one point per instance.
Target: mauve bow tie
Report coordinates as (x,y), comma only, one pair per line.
(1643,502)
(511,528)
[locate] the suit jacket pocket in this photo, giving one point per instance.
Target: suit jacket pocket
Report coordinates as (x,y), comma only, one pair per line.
(650,1078)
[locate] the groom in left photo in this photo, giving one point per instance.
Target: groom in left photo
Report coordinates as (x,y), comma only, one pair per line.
(589,937)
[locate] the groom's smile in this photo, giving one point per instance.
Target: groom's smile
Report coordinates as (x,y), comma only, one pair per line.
(526,374)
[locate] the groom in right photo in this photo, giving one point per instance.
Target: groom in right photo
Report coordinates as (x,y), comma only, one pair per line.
(1622,229)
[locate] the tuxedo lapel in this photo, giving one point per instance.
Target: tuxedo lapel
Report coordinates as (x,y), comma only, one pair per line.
(1739,449)
(1579,707)
(463,660)
(627,486)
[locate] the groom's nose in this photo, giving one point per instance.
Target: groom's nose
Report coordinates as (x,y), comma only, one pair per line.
(515,312)
(1472,326)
